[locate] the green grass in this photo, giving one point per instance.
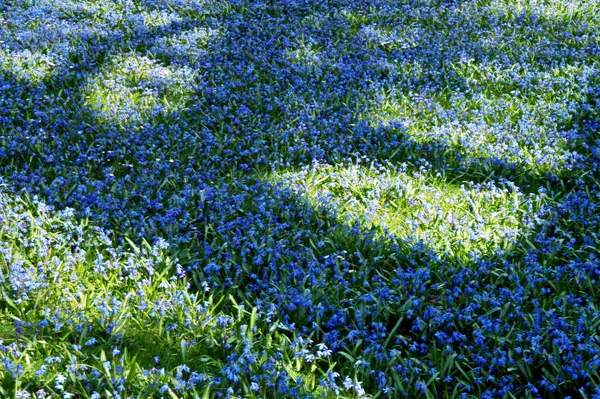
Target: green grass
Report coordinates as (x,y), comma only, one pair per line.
(456,221)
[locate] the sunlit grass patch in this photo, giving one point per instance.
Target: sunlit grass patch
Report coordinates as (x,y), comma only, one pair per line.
(401,37)
(517,128)
(79,315)
(560,11)
(187,48)
(305,53)
(61,32)
(194,9)
(506,94)
(133,87)
(459,221)
(32,67)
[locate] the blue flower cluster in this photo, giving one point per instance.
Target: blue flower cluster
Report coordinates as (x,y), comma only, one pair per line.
(172,121)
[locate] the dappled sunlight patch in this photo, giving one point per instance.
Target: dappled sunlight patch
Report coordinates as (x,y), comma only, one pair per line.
(31,66)
(510,129)
(508,91)
(61,30)
(560,11)
(191,9)
(189,47)
(400,37)
(159,18)
(459,221)
(77,309)
(134,87)
(306,54)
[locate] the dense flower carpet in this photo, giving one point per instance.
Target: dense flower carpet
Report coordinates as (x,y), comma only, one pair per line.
(299,199)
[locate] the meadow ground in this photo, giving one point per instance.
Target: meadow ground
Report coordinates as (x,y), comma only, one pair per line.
(299,198)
